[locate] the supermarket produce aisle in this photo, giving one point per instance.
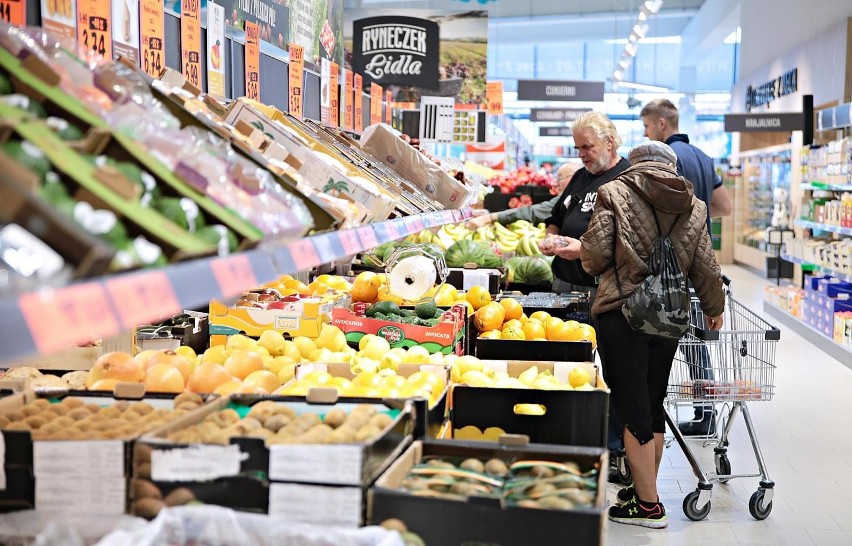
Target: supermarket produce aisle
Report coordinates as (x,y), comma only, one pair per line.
(804,432)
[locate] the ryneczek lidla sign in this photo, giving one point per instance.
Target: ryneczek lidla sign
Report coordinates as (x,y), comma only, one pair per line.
(397,50)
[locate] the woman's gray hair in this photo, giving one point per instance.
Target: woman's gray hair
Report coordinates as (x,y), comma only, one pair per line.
(653,150)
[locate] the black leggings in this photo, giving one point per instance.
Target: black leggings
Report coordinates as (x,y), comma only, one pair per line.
(637,370)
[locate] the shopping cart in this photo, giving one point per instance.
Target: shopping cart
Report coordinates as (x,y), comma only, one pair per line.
(741,369)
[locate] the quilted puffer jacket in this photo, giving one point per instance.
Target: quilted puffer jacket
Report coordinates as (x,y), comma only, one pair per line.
(623,213)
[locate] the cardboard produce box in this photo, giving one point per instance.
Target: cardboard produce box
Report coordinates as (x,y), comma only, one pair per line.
(380,141)
(204,469)
(446,337)
(514,349)
(577,418)
(479,520)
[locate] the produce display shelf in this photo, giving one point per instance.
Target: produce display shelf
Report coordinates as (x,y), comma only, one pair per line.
(50,319)
(827,270)
(823,342)
(807,224)
(820,186)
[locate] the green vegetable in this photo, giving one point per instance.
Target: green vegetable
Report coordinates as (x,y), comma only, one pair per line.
(409,320)
(182,211)
(385,307)
(53,191)
(23,102)
(63,129)
(426,310)
(466,251)
(213,235)
(5,85)
(29,155)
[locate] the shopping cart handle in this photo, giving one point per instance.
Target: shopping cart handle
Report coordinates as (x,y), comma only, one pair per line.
(726,280)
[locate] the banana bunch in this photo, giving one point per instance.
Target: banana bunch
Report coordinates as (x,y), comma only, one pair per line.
(527,246)
(505,239)
(444,237)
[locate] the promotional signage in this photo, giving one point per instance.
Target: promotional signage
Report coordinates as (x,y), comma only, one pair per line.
(555,131)
(151,30)
(190,41)
(556,114)
(560,90)
(272,18)
(748,123)
(785,84)
(13,12)
(252,61)
(494,98)
(335,96)
(125,29)
(397,50)
(325,91)
(297,74)
(94,27)
(375,103)
(59,17)
(347,99)
(358,103)
(215,39)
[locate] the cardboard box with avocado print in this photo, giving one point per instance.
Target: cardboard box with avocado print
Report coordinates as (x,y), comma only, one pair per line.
(566,417)
(445,336)
(453,520)
(84,466)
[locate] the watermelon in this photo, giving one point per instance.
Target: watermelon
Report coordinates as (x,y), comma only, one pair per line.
(467,251)
(529,270)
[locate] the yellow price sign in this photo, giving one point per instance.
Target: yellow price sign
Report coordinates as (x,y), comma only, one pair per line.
(94,27)
(297,79)
(190,41)
(252,61)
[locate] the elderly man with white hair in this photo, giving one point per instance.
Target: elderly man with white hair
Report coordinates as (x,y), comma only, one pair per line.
(630,212)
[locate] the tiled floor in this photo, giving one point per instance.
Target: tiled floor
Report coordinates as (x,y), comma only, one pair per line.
(805,433)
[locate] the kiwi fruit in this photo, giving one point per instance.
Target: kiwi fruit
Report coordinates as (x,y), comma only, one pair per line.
(41,403)
(381,420)
(335,417)
(366,433)
(29,410)
(13,416)
(276,422)
(142,408)
(179,497)
(394,524)
(143,470)
(72,403)
(496,467)
(141,489)
(4,421)
(18,425)
(187,406)
(185,397)
(474,465)
(148,508)
(35,422)
(541,471)
(120,405)
(528,503)
(130,416)
(110,412)
(555,503)
(48,415)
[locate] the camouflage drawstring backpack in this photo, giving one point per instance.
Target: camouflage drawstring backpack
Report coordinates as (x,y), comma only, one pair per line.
(659,306)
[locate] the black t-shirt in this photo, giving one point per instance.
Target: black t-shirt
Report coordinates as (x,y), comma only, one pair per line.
(573,212)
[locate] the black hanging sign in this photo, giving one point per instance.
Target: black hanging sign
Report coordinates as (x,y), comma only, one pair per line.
(753,123)
(556,114)
(555,131)
(560,90)
(397,50)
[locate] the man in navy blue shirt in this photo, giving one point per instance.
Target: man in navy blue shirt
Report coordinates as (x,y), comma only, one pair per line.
(660,118)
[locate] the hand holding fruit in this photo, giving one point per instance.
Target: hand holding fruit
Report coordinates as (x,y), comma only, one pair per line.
(570,250)
(479,221)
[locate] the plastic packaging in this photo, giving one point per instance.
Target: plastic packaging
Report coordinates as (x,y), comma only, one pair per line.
(214,526)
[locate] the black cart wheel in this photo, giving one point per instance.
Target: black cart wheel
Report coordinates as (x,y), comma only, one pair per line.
(758,509)
(690,507)
(625,476)
(723,467)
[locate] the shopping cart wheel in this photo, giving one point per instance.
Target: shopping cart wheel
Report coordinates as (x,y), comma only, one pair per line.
(756,507)
(690,507)
(625,476)
(723,467)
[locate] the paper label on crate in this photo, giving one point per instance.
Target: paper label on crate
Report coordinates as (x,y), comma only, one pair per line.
(316,503)
(78,458)
(2,462)
(92,495)
(196,463)
(329,464)
(474,278)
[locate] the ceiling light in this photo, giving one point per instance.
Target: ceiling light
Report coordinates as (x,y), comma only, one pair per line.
(645,87)
(653,6)
(623,64)
(643,15)
(631,49)
(640,30)
(618,74)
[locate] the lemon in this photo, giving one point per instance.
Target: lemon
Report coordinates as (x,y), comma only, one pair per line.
(417,355)
(186,352)
(361,364)
(217,355)
(476,378)
(331,338)
(316,378)
(375,348)
(321,355)
(239,342)
(287,372)
(305,345)
(579,376)
(365,340)
(278,362)
(436,359)
(391,361)
(291,351)
(272,341)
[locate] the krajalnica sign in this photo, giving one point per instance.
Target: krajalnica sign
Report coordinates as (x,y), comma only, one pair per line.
(396,50)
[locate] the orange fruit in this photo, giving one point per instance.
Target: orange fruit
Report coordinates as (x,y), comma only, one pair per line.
(208,376)
(103,385)
(164,378)
(365,291)
(512,332)
(491,334)
(564,332)
(551,323)
(513,309)
(242,363)
(514,324)
(540,315)
(263,379)
(534,329)
(385,295)
(478,297)
(227,388)
(588,334)
(117,365)
(489,317)
(368,277)
(172,359)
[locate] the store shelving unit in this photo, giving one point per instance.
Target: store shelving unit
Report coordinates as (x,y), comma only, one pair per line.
(807,224)
(47,320)
(826,270)
(835,350)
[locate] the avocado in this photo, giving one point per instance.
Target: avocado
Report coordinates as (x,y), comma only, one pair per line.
(25,103)
(386,307)
(5,85)
(29,155)
(426,310)
(52,190)
(182,211)
(63,129)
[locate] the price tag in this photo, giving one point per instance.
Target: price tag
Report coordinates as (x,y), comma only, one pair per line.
(494,98)
(60,318)
(316,504)
(151,29)
(375,103)
(233,275)
(196,463)
(297,75)
(388,106)
(304,254)
(368,237)
(330,464)
(13,12)
(328,246)
(350,241)
(474,278)
(142,297)
(392,230)
(81,495)
(334,85)
(252,61)
(78,458)
(348,107)
(190,41)
(94,27)
(358,103)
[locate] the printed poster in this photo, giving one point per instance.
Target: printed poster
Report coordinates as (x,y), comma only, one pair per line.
(125,29)
(215,53)
(325,91)
(59,17)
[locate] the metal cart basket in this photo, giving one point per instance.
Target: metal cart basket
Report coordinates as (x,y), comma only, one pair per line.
(724,369)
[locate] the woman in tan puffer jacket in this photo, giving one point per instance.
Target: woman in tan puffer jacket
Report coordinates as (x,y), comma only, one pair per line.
(637,365)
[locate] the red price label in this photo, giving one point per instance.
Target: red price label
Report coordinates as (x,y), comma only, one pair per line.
(296,70)
(151,28)
(252,60)
(68,316)
(368,237)
(234,275)
(190,41)
(392,230)
(94,27)
(304,254)
(142,298)
(13,12)
(457,215)
(358,103)
(494,98)
(350,242)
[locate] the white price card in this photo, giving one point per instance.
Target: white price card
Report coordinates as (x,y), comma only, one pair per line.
(78,458)
(474,278)
(196,463)
(83,495)
(329,505)
(329,464)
